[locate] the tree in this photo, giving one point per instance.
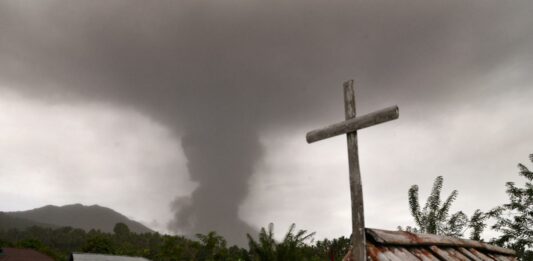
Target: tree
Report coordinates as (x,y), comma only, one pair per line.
(332,250)
(434,217)
(121,229)
(477,224)
(101,244)
(292,247)
(213,247)
(265,248)
(173,248)
(515,219)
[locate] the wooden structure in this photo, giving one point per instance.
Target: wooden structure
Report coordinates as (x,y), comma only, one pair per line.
(350,127)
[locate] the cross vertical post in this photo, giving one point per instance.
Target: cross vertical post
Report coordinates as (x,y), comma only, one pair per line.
(350,126)
(358,251)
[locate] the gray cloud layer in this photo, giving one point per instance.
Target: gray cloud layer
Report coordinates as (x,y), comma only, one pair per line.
(220,71)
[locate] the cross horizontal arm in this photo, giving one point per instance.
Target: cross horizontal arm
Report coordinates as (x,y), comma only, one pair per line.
(367,120)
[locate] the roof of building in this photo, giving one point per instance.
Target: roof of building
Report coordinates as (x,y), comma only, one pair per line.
(22,254)
(101,257)
(386,245)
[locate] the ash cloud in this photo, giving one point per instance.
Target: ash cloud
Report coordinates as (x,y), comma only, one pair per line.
(221,162)
(219,72)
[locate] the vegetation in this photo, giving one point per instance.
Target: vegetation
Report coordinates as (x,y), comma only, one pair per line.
(434,218)
(60,242)
(293,246)
(514,220)
(477,225)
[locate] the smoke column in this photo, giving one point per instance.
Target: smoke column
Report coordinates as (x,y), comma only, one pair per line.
(221,160)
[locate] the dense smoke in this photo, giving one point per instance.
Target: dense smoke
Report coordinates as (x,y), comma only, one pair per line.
(221,160)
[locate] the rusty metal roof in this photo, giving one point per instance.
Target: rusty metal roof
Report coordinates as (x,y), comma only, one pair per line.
(22,254)
(386,245)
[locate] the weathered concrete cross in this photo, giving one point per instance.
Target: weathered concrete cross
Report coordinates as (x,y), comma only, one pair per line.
(350,127)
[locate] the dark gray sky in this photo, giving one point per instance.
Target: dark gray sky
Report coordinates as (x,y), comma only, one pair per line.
(193,113)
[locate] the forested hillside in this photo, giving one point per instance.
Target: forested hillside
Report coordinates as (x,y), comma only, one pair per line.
(11,222)
(76,216)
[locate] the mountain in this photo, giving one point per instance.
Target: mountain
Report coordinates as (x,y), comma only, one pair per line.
(77,216)
(9,222)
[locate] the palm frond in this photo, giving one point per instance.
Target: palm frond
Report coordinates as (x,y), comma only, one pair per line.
(414,204)
(443,212)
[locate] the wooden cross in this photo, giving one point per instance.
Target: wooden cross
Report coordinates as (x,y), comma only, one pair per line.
(350,127)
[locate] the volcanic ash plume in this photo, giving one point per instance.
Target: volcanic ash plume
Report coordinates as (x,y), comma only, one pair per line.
(221,160)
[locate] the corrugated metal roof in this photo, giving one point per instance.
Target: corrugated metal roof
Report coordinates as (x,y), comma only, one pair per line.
(386,245)
(22,254)
(100,257)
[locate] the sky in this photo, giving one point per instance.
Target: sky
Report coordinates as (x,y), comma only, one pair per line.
(191,115)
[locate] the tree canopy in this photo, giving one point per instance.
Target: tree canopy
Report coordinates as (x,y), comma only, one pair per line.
(514,220)
(434,218)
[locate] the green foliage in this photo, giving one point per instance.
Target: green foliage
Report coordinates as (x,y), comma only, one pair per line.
(121,229)
(265,247)
(455,225)
(434,218)
(99,244)
(477,224)
(30,243)
(213,247)
(334,249)
(59,243)
(4,243)
(515,219)
(293,246)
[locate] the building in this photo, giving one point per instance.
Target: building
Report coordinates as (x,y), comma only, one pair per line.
(383,245)
(22,254)
(101,257)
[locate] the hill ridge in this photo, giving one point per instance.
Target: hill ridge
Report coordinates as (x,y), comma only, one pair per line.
(78,216)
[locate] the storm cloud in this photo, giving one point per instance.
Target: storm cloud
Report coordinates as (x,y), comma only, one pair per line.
(219,74)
